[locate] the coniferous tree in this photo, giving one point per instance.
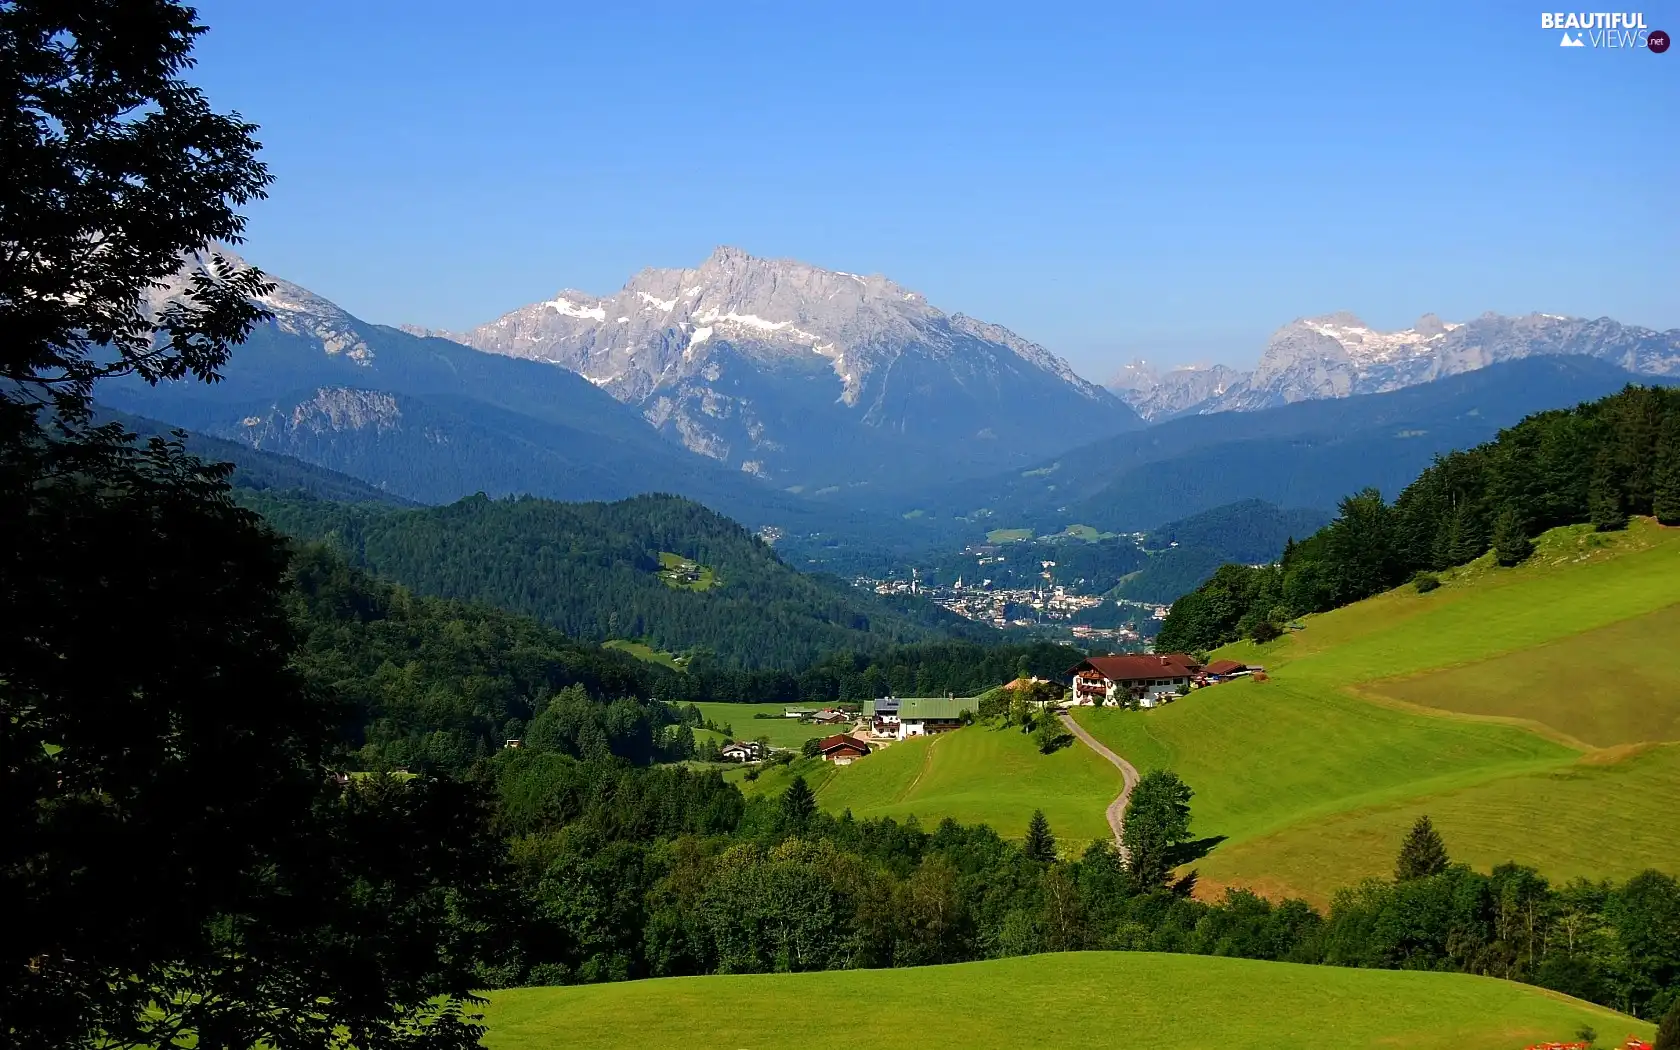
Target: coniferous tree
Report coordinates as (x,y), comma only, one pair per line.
(1157,822)
(1422,854)
(798,803)
(1040,844)
(1668,1033)
(1511,545)
(1665,497)
(1606,502)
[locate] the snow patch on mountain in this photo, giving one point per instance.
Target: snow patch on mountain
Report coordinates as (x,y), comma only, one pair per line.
(678,334)
(1339,355)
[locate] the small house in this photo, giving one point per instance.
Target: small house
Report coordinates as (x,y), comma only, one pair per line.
(1225,670)
(1151,677)
(842,749)
(830,716)
(741,751)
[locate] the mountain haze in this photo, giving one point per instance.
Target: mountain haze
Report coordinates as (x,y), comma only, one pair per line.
(808,376)
(1305,454)
(1338,355)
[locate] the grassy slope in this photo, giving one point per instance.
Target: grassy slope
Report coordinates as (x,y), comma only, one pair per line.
(1314,782)
(1614,685)
(1089,999)
(783,732)
(644,652)
(974,775)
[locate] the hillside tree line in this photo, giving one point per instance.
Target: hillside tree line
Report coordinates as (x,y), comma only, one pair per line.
(1597,463)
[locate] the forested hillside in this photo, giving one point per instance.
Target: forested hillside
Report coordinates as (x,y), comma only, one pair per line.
(1599,462)
(1184,553)
(594,571)
(437,684)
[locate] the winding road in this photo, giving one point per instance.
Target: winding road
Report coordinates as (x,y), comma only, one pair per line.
(1128,773)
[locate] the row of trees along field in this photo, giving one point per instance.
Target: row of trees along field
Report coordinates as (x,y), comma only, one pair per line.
(1598,462)
(618,873)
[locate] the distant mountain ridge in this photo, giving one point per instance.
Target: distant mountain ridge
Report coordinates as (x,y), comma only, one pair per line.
(808,376)
(1304,454)
(1338,355)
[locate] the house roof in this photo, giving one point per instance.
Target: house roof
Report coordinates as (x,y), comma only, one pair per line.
(1225,667)
(1139,666)
(840,740)
(913,707)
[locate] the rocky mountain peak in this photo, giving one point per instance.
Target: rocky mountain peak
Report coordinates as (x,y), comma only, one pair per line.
(1338,354)
(684,344)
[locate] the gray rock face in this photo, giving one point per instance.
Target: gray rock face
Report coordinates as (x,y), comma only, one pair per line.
(1338,355)
(297,310)
(1157,395)
(805,375)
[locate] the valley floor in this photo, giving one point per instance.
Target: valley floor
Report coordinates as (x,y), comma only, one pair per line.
(1069,1001)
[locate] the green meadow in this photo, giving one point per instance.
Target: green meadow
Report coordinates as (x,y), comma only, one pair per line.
(1525,710)
(782,732)
(974,775)
(1072,1001)
(1008,535)
(644,652)
(683,574)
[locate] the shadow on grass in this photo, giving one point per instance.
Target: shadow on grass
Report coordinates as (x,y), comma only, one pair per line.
(1050,747)
(1194,850)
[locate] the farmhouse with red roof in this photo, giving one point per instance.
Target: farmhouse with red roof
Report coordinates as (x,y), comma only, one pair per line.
(1152,677)
(841,749)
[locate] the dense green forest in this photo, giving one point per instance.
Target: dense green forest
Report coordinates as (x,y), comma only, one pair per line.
(1598,462)
(1182,554)
(592,570)
(435,683)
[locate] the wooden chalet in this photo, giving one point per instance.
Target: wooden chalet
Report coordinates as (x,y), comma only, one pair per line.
(842,749)
(1153,678)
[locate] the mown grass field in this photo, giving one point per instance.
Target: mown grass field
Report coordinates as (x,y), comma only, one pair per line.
(782,732)
(1465,704)
(1612,685)
(1072,1001)
(682,574)
(974,775)
(644,652)
(1008,535)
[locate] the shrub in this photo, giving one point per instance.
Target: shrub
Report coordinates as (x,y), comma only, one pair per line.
(1265,631)
(1425,582)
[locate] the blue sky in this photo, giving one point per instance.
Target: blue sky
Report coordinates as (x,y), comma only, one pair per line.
(1171,184)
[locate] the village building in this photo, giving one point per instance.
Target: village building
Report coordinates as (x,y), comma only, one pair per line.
(909,716)
(1153,678)
(741,751)
(830,716)
(842,749)
(1225,670)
